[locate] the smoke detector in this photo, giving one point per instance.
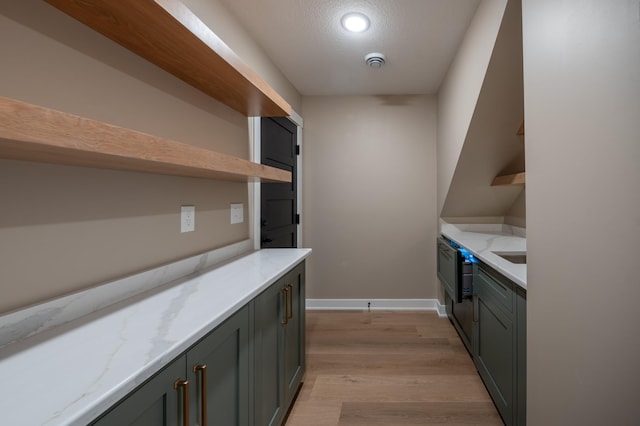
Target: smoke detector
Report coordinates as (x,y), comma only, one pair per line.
(375,60)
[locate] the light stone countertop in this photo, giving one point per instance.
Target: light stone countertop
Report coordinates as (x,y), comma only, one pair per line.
(484,239)
(71,373)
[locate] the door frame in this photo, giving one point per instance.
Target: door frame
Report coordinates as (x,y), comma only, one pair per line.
(254,187)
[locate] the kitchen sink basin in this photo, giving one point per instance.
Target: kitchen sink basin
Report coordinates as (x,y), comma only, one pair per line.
(518,257)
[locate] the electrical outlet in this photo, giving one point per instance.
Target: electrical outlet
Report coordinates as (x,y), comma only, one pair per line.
(237,213)
(187,218)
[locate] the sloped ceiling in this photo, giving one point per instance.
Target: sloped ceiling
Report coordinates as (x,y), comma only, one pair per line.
(491,146)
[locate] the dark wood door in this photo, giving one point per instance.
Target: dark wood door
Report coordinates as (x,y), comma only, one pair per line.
(278,210)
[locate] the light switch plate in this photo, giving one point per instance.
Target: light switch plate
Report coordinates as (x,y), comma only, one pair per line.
(237,213)
(187,218)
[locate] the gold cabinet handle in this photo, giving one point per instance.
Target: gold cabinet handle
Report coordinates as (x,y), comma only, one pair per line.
(202,369)
(290,304)
(285,290)
(184,385)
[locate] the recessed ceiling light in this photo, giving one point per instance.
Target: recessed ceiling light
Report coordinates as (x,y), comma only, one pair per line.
(355,22)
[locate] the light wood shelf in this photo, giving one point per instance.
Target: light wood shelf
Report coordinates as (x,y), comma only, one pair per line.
(168,34)
(513,179)
(34,133)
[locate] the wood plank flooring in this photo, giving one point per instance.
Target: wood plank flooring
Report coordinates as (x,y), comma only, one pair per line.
(388,368)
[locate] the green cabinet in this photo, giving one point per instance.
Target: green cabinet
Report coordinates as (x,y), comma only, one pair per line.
(500,341)
(156,402)
(294,334)
(521,357)
(269,312)
(279,346)
(245,372)
(447,267)
(218,368)
(210,380)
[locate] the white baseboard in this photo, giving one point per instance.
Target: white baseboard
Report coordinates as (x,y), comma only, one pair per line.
(442,309)
(376,304)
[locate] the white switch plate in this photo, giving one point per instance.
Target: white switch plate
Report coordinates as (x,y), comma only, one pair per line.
(187,218)
(237,213)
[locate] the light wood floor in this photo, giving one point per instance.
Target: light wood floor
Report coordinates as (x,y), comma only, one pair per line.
(388,368)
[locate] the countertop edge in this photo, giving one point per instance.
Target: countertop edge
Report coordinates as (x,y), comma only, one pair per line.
(516,273)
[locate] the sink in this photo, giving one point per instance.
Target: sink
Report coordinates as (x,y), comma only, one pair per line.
(519,257)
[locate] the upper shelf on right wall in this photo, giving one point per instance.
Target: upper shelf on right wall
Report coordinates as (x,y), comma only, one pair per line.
(512,179)
(515,178)
(168,34)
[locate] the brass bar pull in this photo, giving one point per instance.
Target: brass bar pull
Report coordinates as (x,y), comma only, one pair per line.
(184,384)
(285,290)
(202,369)
(290,305)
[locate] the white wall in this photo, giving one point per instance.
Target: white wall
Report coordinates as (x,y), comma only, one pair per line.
(517,213)
(491,146)
(225,25)
(370,196)
(63,229)
(582,103)
(460,89)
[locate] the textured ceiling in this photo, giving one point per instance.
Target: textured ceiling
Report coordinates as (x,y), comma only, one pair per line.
(305,40)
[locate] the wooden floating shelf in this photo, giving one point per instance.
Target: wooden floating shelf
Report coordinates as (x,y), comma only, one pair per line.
(168,34)
(33,133)
(514,179)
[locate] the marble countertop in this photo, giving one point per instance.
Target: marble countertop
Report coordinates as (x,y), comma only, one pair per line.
(484,239)
(71,373)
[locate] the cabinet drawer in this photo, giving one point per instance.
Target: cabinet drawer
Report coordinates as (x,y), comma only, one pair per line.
(493,286)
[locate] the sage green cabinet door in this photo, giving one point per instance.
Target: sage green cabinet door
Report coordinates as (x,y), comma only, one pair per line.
(294,333)
(521,358)
(495,356)
(269,318)
(500,346)
(447,267)
(279,346)
(219,372)
(154,403)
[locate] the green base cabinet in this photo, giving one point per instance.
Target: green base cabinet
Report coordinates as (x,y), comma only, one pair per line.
(245,372)
(221,388)
(212,376)
(268,356)
(294,334)
(279,347)
(156,402)
(500,341)
(447,267)
(521,357)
